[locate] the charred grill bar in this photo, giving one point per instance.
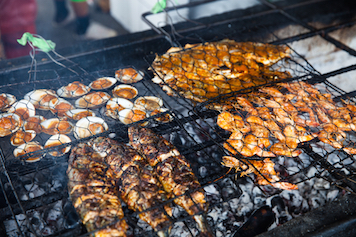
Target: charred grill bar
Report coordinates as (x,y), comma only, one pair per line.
(34,196)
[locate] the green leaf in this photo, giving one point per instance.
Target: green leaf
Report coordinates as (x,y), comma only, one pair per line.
(42,44)
(159,6)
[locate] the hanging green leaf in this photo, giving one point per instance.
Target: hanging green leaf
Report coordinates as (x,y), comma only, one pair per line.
(42,44)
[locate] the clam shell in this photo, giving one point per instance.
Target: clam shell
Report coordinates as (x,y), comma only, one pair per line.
(92,100)
(6,100)
(103,83)
(34,123)
(128,75)
(125,91)
(40,98)
(27,148)
(127,116)
(148,103)
(57,140)
(164,118)
(21,137)
(23,108)
(9,123)
(56,126)
(89,126)
(115,105)
(73,90)
(60,106)
(77,114)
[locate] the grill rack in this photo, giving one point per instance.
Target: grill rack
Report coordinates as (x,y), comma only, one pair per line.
(199,146)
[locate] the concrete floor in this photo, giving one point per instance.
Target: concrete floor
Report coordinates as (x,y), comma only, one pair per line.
(102,25)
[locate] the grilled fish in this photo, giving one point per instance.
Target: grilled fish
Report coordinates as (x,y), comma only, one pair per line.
(173,171)
(93,192)
(137,183)
(204,71)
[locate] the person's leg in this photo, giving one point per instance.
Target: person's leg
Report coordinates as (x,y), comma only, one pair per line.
(61,11)
(81,9)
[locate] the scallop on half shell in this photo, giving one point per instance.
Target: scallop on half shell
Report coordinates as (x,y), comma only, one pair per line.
(89,126)
(9,123)
(56,126)
(21,137)
(103,83)
(125,91)
(23,108)
(128,75)
(73,90)
(6,100)
(57,140)
(40,98)
(27,148)
(127,116)
(148,103)
(164,118)
(115,105)
(78,114)
(34,123)
(92,100)
(60,106)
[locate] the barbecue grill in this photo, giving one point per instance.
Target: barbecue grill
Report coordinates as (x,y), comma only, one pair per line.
(35,200)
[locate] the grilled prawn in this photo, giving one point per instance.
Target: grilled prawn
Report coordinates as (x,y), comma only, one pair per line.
(173,171)
(137,183)
(93,193)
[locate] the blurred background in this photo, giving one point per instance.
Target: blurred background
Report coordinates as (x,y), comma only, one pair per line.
(58,20)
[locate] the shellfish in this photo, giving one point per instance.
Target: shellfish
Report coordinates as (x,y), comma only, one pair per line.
(148,103)
(6,100)
(103,83)
(164,118)
(20,137)
(73,90)
(23,108)
(56,126)
(78,114)
(60,106)
(40,98)
(92,100)
(89,126)
(115,105)
(57,140)
(127,116)
(9,123)
(34,123)
(125,91)
(27,148)
(128,75)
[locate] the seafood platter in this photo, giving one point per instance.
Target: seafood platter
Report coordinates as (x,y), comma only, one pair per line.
(225,137)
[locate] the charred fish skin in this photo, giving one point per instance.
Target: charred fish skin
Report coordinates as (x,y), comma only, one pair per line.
(137,183)
(93,193)
(173,171)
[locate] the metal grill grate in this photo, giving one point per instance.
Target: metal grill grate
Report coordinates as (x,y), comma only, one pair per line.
(35,195)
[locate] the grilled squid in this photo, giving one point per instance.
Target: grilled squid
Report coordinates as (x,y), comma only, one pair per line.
(173,171)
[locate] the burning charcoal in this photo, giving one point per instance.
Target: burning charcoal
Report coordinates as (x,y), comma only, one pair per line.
(180,230)
(257,223)
(279,208)
(71,217)
(203,171)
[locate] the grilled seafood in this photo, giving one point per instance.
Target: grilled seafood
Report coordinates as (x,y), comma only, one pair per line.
(263,169)
(173,171)
(137,182)
(92,189)
(204,71)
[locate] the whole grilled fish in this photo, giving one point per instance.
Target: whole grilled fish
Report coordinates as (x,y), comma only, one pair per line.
(93,192)
(137,183)
(173,171)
